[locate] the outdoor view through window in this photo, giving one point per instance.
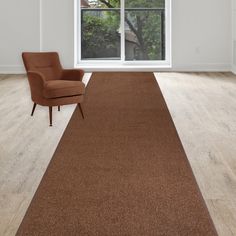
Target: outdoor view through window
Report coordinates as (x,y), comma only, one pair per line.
(141,36)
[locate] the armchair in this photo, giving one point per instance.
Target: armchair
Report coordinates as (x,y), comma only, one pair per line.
(50,84)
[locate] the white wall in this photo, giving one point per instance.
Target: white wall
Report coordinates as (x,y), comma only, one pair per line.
(58,29)
(19,31)
(201,32)
(234,36)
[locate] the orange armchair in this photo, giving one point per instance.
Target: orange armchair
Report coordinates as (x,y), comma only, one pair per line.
(50,84)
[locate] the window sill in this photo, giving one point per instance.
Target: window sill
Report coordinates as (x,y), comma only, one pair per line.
(117,67)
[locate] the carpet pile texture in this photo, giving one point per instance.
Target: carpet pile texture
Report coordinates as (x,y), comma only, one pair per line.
(121,171)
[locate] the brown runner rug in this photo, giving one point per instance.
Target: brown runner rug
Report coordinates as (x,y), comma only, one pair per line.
(121,171)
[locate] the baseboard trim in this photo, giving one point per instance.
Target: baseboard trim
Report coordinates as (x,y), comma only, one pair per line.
(11,69)
(211,67)
(14,69)
(233,69)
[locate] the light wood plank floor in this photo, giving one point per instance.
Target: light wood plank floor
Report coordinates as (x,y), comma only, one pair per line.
(202,105)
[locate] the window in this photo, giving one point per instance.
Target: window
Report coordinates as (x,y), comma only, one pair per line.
(124,31)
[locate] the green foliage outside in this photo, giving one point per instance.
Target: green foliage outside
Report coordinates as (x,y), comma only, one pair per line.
(145,4)
(101,36)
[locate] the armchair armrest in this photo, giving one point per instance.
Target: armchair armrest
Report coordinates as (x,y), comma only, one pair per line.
(72,74)
(36,82)
(36,75)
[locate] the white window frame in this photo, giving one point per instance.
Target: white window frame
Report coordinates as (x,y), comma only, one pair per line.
(122,63)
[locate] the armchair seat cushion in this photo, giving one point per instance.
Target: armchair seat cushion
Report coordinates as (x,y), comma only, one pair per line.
(63,88)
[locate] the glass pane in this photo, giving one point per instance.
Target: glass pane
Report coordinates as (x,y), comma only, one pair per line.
(144,3)
(100,4)
(144,34)
(100,34)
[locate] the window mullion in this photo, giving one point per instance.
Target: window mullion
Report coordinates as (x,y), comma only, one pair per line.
(122,27)
(79,29)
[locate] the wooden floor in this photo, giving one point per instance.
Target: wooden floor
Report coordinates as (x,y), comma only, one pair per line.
(202,105)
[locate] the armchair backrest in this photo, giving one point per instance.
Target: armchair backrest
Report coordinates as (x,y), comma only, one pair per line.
(47,63)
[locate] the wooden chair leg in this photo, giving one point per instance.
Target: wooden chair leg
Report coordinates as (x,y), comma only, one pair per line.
(50,115)
(59,108)
(81,111)
(34,106)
